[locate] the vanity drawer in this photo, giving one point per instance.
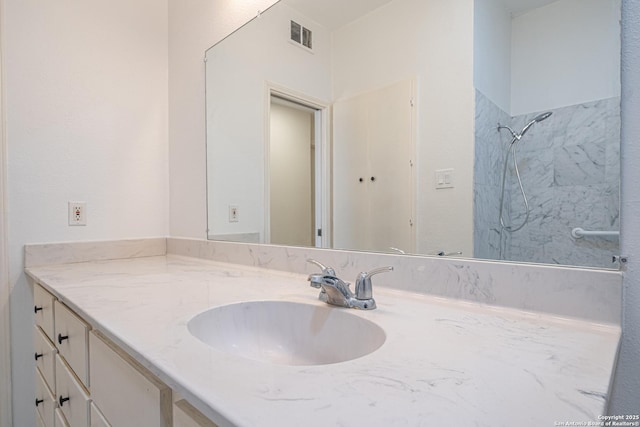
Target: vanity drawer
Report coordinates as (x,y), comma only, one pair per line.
(71,397)
(39,422)
(71,338)
(185,415)
(59,419)
(97,419)
(43,309)
(124,390)
(45,357)
(44,401)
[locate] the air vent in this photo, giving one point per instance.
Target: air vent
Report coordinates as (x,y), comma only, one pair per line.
(301,35)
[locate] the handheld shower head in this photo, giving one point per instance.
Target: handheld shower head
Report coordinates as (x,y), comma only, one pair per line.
(536,119)
(542,116)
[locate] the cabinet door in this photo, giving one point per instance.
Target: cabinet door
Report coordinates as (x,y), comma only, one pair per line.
(97,419)
(71,396)
(71,338)
(45,357)
(185,415)
(126,392)
(43,309)
(39,421)
(44,401)
(60,421)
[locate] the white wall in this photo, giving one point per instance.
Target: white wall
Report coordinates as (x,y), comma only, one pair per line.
(194,26)
(564,54)
(554,56)
(492,52)
(86,110)
(5,353)
(435,45)
(626,389)
(237,72)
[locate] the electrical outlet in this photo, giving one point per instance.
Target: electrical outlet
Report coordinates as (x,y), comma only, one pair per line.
(234,213)
(77,213)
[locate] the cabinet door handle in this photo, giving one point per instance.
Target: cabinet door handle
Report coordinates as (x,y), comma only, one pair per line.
(62,400)
(62,338)
(36,309)
(39,355)
(39,401)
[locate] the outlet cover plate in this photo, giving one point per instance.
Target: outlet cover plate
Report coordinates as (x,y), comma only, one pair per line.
(77,213)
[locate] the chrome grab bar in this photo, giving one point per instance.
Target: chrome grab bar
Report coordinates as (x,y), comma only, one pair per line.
(578,233)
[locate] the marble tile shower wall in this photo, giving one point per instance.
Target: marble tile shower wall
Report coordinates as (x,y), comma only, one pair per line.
(570,168)
(489,148)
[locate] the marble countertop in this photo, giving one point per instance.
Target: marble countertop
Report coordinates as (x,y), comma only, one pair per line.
(444,362)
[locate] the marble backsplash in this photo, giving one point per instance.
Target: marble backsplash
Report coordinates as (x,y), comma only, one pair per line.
(71,252)
(570,170)
(594,295)
(590,294)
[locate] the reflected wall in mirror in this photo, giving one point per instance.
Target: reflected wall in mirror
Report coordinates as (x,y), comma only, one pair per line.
(401,150)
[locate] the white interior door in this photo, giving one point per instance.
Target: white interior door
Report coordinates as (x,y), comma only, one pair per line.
(350,170)
(373,141)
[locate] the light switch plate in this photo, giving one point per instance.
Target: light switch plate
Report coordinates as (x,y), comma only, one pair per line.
(444,178)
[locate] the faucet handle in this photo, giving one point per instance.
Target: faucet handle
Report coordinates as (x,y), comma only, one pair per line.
(328,271)
(364,289)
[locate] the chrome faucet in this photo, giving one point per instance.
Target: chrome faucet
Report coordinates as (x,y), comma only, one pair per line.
(335,291)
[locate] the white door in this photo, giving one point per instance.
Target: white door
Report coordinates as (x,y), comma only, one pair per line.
(373,158)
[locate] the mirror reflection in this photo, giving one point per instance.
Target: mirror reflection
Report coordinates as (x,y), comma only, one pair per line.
(485,129)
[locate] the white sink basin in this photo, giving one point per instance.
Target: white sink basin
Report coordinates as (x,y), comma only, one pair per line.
(287,333)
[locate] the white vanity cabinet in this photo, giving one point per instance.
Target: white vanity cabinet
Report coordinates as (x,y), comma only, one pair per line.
(97,419)
(61,361)
(85,380)
(39,422)
(45,357)
(126,392)
(60,420)
(44,400)
(72,398)
(43,309)
(185,415)
(71,338)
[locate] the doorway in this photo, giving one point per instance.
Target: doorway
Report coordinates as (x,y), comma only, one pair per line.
(296,172)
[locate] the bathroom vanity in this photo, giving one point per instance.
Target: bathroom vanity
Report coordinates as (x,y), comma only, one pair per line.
(459,345)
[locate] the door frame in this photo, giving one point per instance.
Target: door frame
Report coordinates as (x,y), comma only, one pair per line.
(322,128)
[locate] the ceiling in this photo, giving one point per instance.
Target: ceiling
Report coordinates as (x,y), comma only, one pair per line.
(519,7)
(334,14)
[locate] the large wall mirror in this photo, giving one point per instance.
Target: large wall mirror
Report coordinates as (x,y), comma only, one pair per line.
(486,128)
